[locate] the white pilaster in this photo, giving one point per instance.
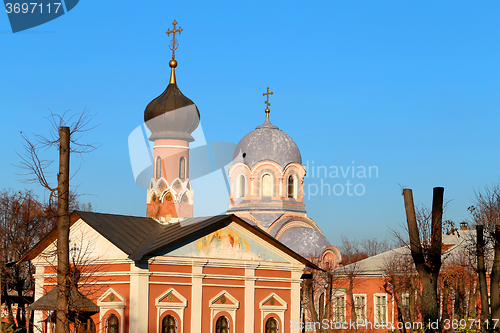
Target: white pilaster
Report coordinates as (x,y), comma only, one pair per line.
(39,281)
(197,296)
(295,298)
(250,298)
(139,296)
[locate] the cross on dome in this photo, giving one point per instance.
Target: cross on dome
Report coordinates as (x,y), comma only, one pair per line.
(173,44)
(267,101)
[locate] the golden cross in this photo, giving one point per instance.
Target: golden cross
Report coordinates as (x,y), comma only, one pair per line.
(267,101)
(173,44)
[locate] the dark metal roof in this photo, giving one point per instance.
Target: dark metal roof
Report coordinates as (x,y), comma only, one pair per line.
(267,142)
(77,302)
(128,233)
(141,236)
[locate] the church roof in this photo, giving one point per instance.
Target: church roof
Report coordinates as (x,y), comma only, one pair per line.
(140,237)
(267,142)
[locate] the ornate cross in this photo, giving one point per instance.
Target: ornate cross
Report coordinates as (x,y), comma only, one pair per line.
(173,44)
(267,101)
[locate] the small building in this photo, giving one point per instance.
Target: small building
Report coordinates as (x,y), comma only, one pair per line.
(385,287)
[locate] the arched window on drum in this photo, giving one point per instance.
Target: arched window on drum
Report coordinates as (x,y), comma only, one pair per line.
(158,168)
(182,168)
(240,186)
(267,185)
(292,187)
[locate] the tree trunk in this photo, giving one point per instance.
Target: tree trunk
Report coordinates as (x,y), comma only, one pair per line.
(62,321)
(428,271)
(495,278)
(354,317)
(481,271)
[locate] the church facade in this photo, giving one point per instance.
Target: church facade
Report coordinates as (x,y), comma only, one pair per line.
(172,272)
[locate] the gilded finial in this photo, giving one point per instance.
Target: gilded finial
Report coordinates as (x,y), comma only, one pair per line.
(173,46)
(267,101)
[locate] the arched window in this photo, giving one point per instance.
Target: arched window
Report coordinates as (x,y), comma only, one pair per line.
(291,186)
(240,186)
(182,168)
(222,325)
(168,324)
(158,168)
(267,185)
(271,325)
(112,324)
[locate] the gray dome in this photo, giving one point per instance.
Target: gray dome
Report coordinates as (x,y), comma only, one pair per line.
(267,142)
(307,242)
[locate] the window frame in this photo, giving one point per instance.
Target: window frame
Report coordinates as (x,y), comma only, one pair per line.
(241,186)
(336,294)
(376,307)
(158,167)
(182,168)
(227,322)
(262,186)
(175,323)
(277,325)
(357,307)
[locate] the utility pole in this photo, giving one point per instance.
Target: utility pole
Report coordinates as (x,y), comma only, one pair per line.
(63,291)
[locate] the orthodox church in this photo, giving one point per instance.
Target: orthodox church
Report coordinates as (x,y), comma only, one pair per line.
(172,272)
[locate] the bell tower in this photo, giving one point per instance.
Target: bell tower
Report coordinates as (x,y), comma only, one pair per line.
(171,118)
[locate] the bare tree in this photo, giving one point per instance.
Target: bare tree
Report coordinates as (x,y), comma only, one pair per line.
(401,280)
(66,138)
(373,246)
(486,217)
(427,255)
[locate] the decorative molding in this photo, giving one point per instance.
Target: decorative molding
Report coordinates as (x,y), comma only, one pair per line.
(278,310)
(215,308)
(171,146)
(177,307)
(117,306)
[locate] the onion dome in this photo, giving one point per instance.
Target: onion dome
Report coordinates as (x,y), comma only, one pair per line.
(172,115)
(267,142)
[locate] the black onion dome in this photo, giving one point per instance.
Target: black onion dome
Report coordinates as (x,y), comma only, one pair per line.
(172,115)
(267,142)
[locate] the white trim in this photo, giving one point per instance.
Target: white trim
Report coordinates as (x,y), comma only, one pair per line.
(139,299)
(278,310)
(339,292)
(229,308)
(295,298)
(375,307)
(178,307)
(39,284)
(196,297)
(250,299)
(171,146)
(104,307)
(292,265)
(365,308)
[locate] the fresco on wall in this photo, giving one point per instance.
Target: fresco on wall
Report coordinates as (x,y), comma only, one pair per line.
(226,243)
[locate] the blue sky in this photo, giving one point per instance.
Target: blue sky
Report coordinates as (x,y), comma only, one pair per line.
(411,87)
